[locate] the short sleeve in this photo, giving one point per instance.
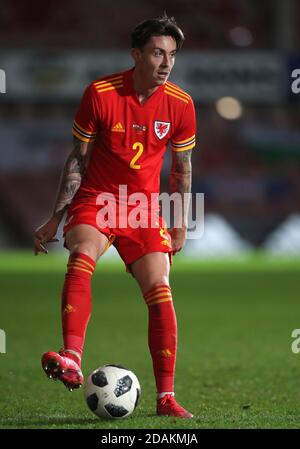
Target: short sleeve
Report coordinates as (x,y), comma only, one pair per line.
(184,137)
(87,116)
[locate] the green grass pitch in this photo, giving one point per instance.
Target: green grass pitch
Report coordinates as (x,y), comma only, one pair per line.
(235,366)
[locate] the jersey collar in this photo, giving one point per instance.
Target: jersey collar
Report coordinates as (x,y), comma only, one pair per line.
(132,92)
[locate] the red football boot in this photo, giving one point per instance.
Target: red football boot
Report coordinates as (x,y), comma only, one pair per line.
(168,406)
(62,367)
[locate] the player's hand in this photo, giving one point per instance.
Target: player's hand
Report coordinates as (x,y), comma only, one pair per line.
(178,236)
(45,234)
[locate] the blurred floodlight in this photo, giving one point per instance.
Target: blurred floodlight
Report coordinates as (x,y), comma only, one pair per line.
(241,36)
(220,239)
(286,238)
(229,108)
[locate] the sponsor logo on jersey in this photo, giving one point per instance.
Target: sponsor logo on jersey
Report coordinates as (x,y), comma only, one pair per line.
(161,129)
(118,128)
(140,129)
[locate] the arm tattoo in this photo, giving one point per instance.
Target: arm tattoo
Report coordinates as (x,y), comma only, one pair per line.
(71,177)
(180,182)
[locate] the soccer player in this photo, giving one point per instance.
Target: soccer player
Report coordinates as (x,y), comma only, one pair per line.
(121,131)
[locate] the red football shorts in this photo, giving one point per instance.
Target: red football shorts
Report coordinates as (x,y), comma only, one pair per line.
(131,243)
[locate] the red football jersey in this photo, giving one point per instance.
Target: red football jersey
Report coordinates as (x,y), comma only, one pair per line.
(130,138)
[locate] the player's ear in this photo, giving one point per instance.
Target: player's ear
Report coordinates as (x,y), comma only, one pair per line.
(136,54)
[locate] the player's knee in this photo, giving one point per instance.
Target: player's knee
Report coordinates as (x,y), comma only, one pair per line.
(163,280)
(156,282)
(86,247)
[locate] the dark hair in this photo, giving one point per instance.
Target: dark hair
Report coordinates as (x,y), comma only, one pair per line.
(162,26)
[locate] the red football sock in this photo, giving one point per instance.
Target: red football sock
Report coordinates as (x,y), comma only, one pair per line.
(77,301)
(162,336)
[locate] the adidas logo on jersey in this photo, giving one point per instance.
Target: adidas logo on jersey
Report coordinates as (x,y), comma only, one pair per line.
(118,128)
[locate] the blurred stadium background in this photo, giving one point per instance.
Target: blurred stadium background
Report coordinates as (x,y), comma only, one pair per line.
(247,161)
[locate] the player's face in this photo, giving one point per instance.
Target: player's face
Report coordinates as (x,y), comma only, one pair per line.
(156,60)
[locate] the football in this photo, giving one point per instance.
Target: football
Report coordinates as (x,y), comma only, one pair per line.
(112,392)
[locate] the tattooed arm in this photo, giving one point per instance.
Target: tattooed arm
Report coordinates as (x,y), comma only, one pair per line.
(71,177)
(180,183)
(70,181)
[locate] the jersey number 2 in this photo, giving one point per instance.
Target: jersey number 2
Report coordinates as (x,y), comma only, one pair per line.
(140,148)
